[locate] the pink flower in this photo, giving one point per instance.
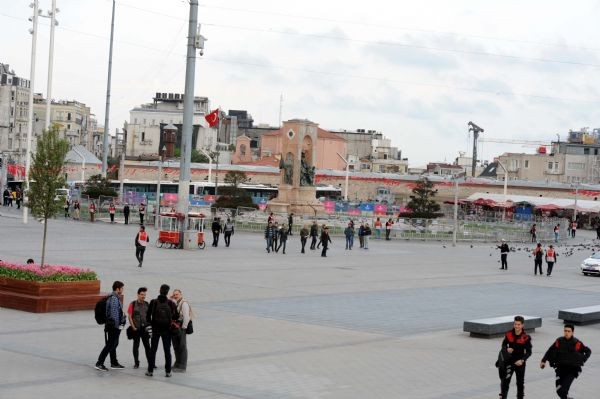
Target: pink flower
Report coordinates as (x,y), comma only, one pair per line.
(48,270)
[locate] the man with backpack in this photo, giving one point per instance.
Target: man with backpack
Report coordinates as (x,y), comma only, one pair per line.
(514,352)
(137,313)
(110,313)
(162,313)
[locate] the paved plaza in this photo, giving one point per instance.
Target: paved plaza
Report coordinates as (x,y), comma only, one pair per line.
(382,323)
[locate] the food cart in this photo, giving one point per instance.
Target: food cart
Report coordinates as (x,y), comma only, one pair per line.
(196,223)
(168,234)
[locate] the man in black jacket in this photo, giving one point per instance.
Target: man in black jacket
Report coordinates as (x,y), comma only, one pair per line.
(567,355)
(516,349)
(216,230)
(325,240)
(503,255)
(314,233)
(161,314)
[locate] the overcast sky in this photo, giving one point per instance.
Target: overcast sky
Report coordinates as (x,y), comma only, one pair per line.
(416,71)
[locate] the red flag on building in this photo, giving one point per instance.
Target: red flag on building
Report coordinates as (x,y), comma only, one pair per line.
(213,118)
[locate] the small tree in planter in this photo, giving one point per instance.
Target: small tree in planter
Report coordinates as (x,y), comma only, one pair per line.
(46,176)
(422,204)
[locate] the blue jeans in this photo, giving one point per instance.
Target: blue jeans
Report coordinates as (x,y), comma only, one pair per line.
(269,243)
(555,237)
(349,242)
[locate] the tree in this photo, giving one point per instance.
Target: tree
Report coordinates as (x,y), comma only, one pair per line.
(422,203)
(233,196)
(97,185)
(197,156)
(235,178)
(46,176)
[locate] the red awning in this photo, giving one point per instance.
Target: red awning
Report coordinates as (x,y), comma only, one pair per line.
(548,207)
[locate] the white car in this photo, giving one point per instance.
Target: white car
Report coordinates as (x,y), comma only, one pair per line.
(591,265)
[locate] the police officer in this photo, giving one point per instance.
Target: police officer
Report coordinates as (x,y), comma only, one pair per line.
(538,255)
(503,254)
(566,355)
(516,349)
(141,241)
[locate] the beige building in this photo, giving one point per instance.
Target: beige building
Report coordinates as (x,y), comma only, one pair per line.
(14,98)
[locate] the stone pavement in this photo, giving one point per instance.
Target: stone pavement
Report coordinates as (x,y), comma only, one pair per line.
(383,323)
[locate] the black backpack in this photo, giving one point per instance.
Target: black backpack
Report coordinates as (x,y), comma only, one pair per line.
(100,310)
(162,313)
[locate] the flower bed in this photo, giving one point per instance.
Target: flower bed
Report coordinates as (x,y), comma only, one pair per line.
(56,273)
(51,289)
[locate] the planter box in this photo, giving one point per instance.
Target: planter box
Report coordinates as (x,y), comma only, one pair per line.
(32,296)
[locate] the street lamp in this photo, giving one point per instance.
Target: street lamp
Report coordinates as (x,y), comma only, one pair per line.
(505,188)
(347,162)
(163,151)
(210,161)
(53,24)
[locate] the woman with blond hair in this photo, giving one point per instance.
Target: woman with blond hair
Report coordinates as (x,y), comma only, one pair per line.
(179,334)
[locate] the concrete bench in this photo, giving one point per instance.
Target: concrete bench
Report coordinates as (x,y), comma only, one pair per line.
(497,326)
(580,316)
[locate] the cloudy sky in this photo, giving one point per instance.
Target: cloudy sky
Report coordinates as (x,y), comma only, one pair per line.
(416,71)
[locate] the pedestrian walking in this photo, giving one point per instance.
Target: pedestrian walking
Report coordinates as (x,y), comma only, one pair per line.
(378,227)
(115,320)
(137,313)
(551,257)
(533,233)
(349,234)
(216,231)
(228,231)
(283,235)
(566,355)
(111,212)
(269,233)
(314,232)
(503,247)
(325,241)
(67,207)
(180,333)
(19,198)
(304,232)
(141,241)
(142,212)
(569,224)
(126,212)
(276,229)
(388,228)
(271,218)
(76,210)
(514,352)
(573,228)
(162,312)
(92,210)
(5,195)
(556,233)
(290,223)
(538,255)
(361,235)
(366,236)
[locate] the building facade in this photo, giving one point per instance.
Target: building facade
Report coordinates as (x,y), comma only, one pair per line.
(14,114)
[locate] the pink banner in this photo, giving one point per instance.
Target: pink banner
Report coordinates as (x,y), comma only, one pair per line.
(380,209)
(329,206)
(353,211)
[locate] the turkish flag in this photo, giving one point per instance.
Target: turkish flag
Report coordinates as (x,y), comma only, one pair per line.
(213,118)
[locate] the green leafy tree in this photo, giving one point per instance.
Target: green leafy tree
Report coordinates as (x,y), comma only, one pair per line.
(97,185)
(233,196)
(422,202)
(46,176)
(197,156)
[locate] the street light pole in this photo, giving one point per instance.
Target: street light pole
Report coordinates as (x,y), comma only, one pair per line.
(575,208)
(505,188)
(30,116)
(210,161)
(107,110)
(347,162)
(160,164)
(53,23)
(455,230)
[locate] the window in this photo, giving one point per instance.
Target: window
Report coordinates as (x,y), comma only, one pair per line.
(135,121)
(526,164)
(550,165)
(69,116)
(586,151)
(575,165)
(555,165)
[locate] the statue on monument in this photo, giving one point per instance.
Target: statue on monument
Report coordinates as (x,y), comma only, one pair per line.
(307,173)
(287,167)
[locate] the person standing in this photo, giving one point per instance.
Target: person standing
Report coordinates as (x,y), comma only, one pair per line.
(126,211)
(303,237)
(314,232)
(92,210)
(515,350)
(361,235)
(162,312)
(137,313)
(269,233)
(142,212)
(228,231)
(551,256)
(503,255)
(276,229)
(569,224)
(115,320)
(290,223)
(5,195)
(367,235)
(271,218)
(566,355)
(283,235)
(111,212)
(533,232)
(216,231)
(76,210)
(573,228)
(19,198)
(388,228)
(378,227)
(180,334)
(349,234)
(141,241)
(325,241)
(538,255)
(556,233)
(67,206)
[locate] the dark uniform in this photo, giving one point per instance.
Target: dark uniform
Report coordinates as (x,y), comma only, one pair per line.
(314,233)
(521,346)
(567,356)
(504,250)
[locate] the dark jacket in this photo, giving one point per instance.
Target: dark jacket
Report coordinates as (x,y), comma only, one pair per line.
(304,232)
(349,231)
(314,230)
(567,355)
(216,227)
(504,248)
(269,231)
(156,327)
(521,345)
(126,210)
(283,234)
(367,231)
(325,239)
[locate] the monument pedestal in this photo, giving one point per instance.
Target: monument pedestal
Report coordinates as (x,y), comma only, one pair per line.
(299,200)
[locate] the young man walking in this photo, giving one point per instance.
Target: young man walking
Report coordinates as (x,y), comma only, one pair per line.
(283,235)
(162,312)
(566,355)
(515,350)
(325,241)
(314,233)
(538,255)
(290,223)
(216,231)
(228,231)
(303,237)
(388,228)
(141,241)
(137,313)
(503,255)
(269,233)
(115,320)
(551,256)
(366,236)
(349,234)
(126,211)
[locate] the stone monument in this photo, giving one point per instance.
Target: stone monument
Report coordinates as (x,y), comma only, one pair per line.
(297,192)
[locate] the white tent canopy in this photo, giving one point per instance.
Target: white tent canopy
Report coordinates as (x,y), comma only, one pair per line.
(563,203)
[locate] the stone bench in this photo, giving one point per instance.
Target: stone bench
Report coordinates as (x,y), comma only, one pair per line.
(580,316)
(497,326)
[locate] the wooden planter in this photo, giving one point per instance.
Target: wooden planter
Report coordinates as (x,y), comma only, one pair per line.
(32,296)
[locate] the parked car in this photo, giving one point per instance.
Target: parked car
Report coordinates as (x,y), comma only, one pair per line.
(591,265)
